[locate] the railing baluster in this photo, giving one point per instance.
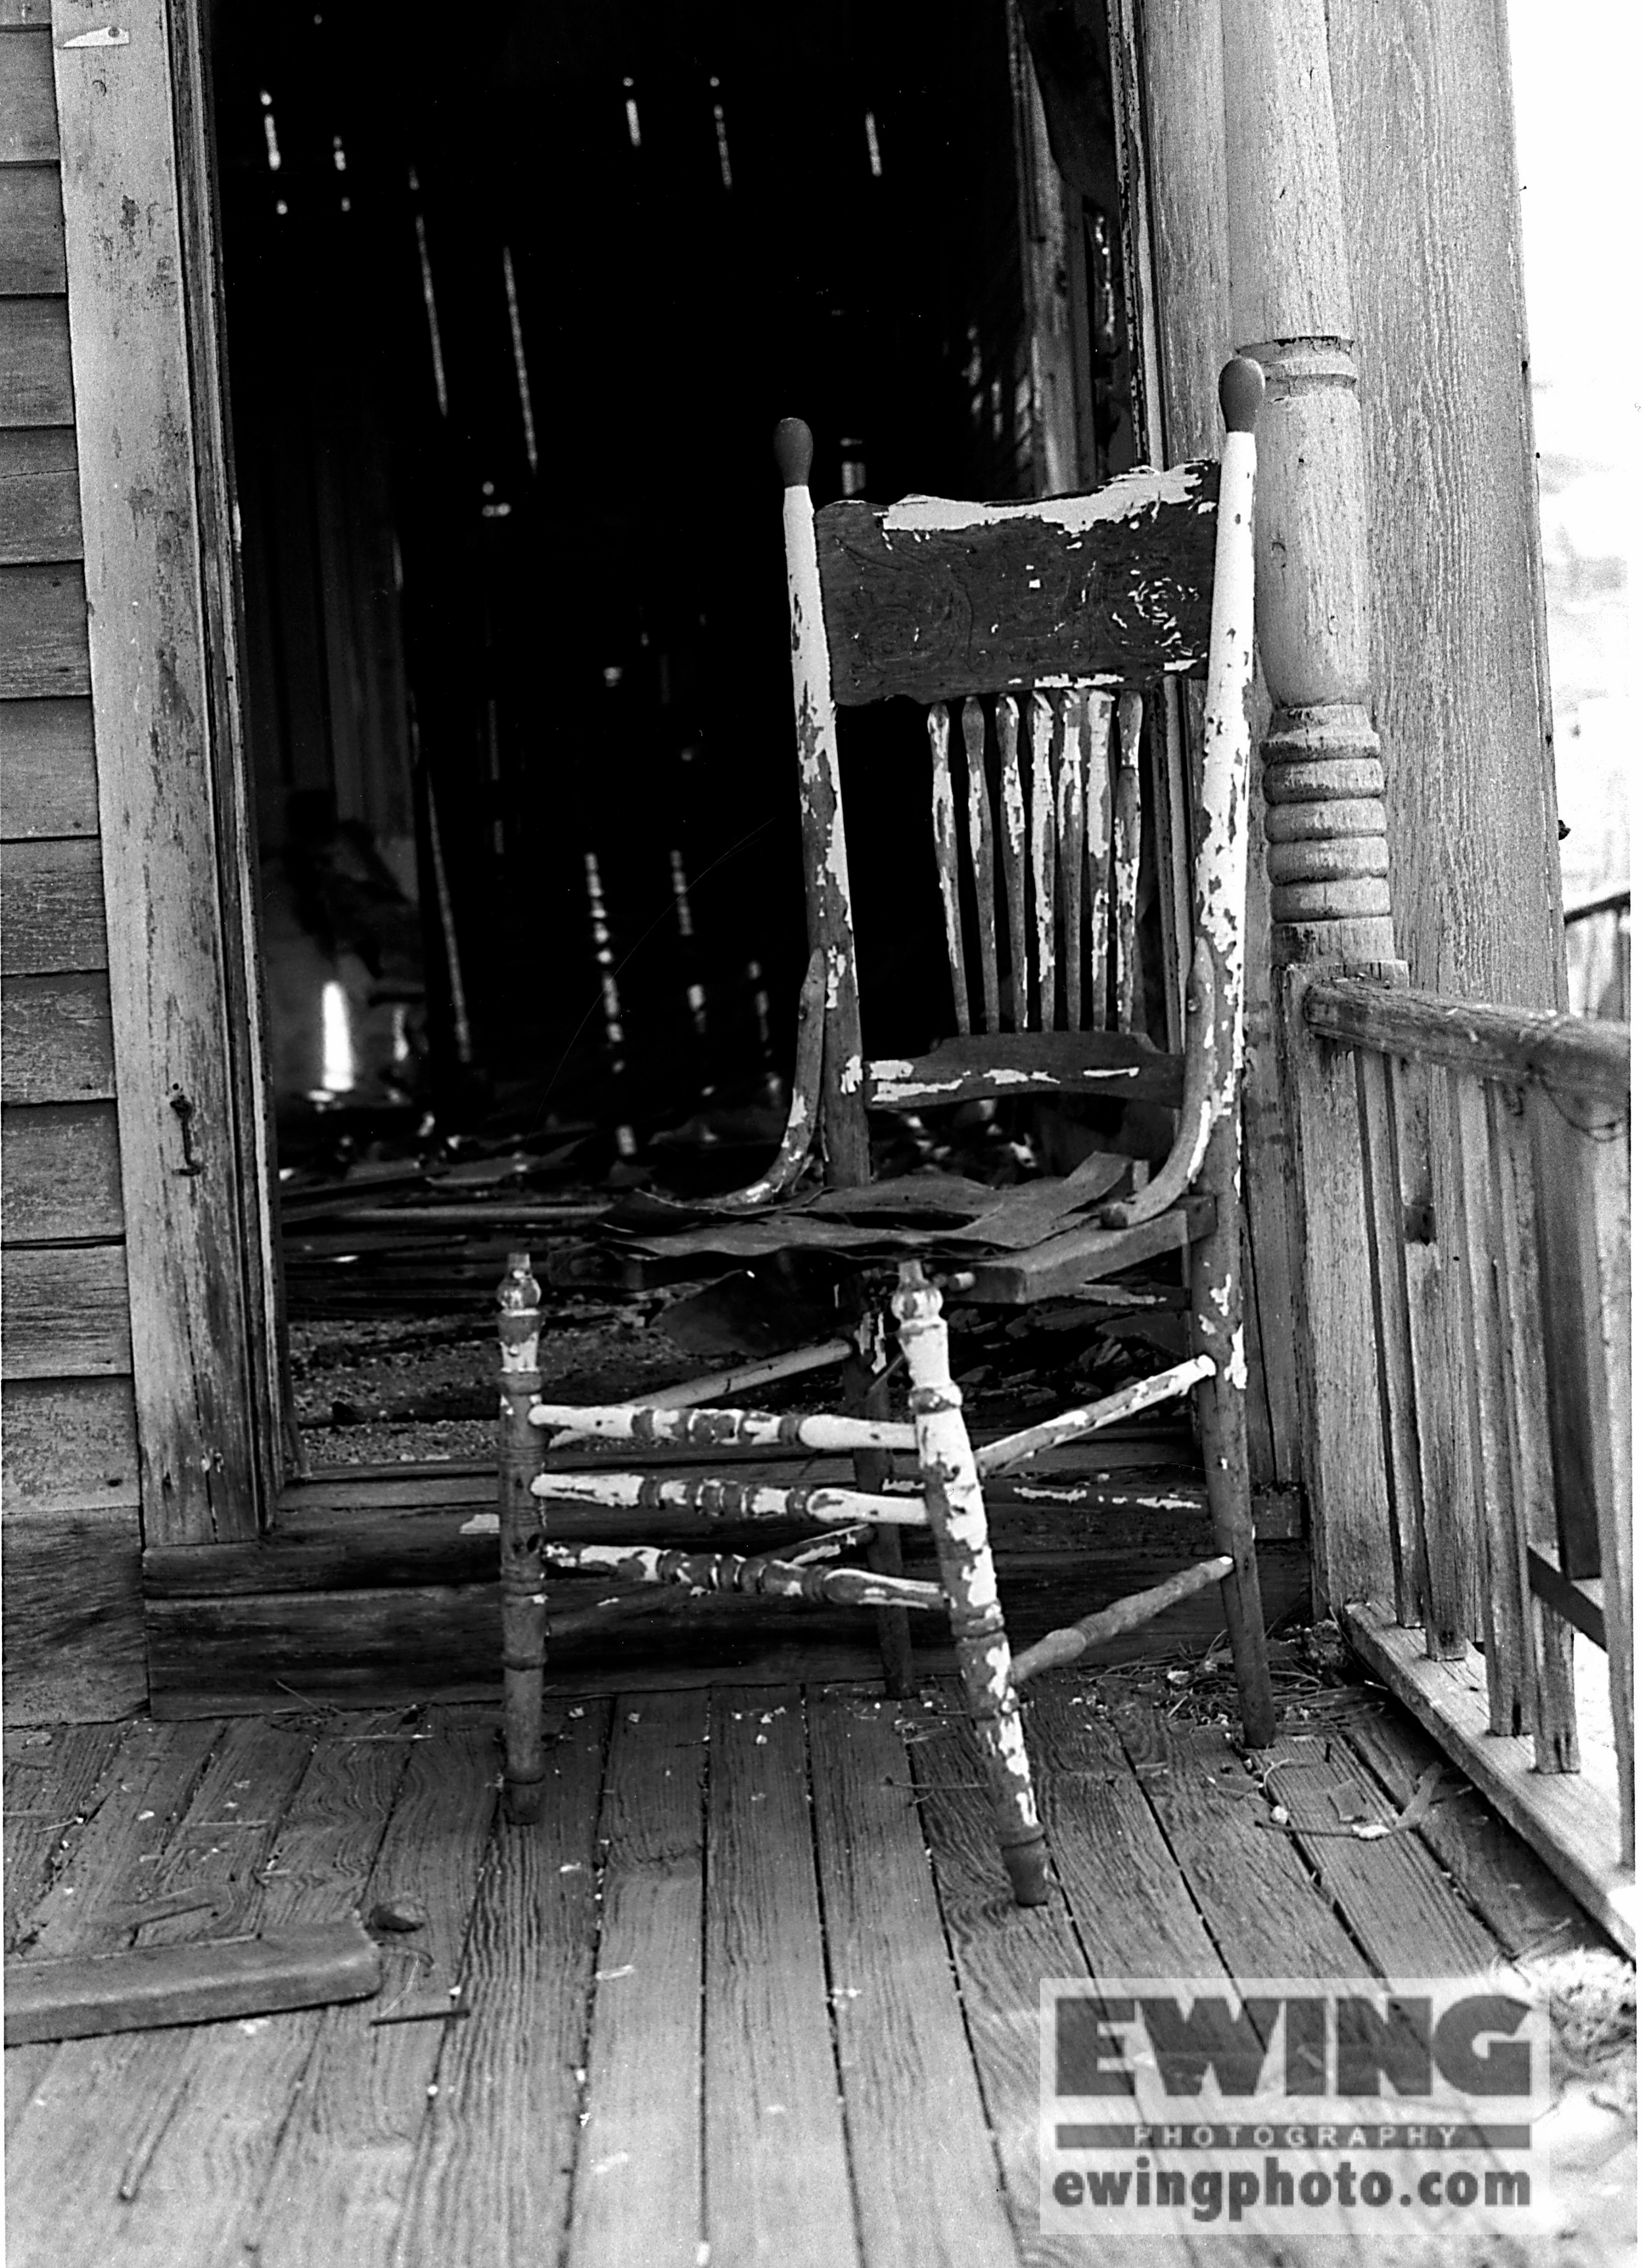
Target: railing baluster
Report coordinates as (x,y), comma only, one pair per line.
(1013,829)
(1098,841)
(1383,1209)
(1071,723)
(1510,1650)
(1449,1393)
(974,728)
(1126,858)
(944,820)
(1043,833)
(1451,1617)
(1557,1743)
(1601,1154)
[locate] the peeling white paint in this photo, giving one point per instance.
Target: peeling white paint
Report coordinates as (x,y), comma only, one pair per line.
(1132,496)
(895,1087)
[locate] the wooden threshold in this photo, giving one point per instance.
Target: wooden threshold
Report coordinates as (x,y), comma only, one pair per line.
(1571,1819)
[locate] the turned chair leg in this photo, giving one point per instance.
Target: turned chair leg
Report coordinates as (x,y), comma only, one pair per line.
(867,1394)
(524,1607)
(1217,1282)
(958,1520)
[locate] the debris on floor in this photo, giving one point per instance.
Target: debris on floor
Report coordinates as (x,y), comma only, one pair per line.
(149,1986)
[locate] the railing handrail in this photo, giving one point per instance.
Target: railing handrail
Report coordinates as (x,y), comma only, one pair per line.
(1615,902)
(1569,1054)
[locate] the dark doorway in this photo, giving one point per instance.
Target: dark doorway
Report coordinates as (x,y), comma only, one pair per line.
(510,321)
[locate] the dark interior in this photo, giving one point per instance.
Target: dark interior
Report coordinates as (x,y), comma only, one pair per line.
(510,320)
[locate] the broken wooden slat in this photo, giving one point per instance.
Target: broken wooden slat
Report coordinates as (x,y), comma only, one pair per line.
(1069,771)
(980,811)
(1557,1742)
(944,826)
(1126,859)
(1141,1393)
(1040,711)
(1012,847)
(79,2000)
(1062,1263)
(825,1355)
(1097,729)
(1510,1652)
(1058,1647)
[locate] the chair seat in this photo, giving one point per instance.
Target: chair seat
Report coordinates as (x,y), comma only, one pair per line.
(1001,1246)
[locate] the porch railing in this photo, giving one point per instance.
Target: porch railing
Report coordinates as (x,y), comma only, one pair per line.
(1597,942)
(1494,1148)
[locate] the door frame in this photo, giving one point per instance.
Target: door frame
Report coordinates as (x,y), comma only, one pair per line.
(179,868)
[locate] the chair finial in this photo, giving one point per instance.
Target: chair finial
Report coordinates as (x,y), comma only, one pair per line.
(795,450)
(1243,382)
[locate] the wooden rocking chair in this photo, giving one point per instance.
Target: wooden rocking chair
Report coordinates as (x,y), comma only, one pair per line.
(1040,630)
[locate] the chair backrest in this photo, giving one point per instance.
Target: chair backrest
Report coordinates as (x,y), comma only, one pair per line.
(1029,633)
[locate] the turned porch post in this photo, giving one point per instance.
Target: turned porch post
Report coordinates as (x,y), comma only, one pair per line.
(1290,309)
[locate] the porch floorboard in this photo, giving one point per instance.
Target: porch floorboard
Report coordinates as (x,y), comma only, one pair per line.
(753,1992)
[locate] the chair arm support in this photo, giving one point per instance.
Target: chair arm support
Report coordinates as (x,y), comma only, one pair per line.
(1203,1104)
(804,1113)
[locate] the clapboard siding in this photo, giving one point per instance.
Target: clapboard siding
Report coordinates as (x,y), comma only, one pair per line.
(62,1181)
(72,1540)
(36,387)
(40,493)
(42,631)
(70,1443)
(48,768)
(28,103)
(66,1312)
(74,1648)
(31,229)
(51,908)
(56,1040)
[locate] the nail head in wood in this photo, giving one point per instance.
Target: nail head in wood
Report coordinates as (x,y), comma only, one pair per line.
(794,452)
(1243,382)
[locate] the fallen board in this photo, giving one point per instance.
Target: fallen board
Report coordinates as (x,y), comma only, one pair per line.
(156,1984)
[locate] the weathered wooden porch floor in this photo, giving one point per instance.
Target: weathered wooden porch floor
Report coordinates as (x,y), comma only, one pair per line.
(753,1992)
